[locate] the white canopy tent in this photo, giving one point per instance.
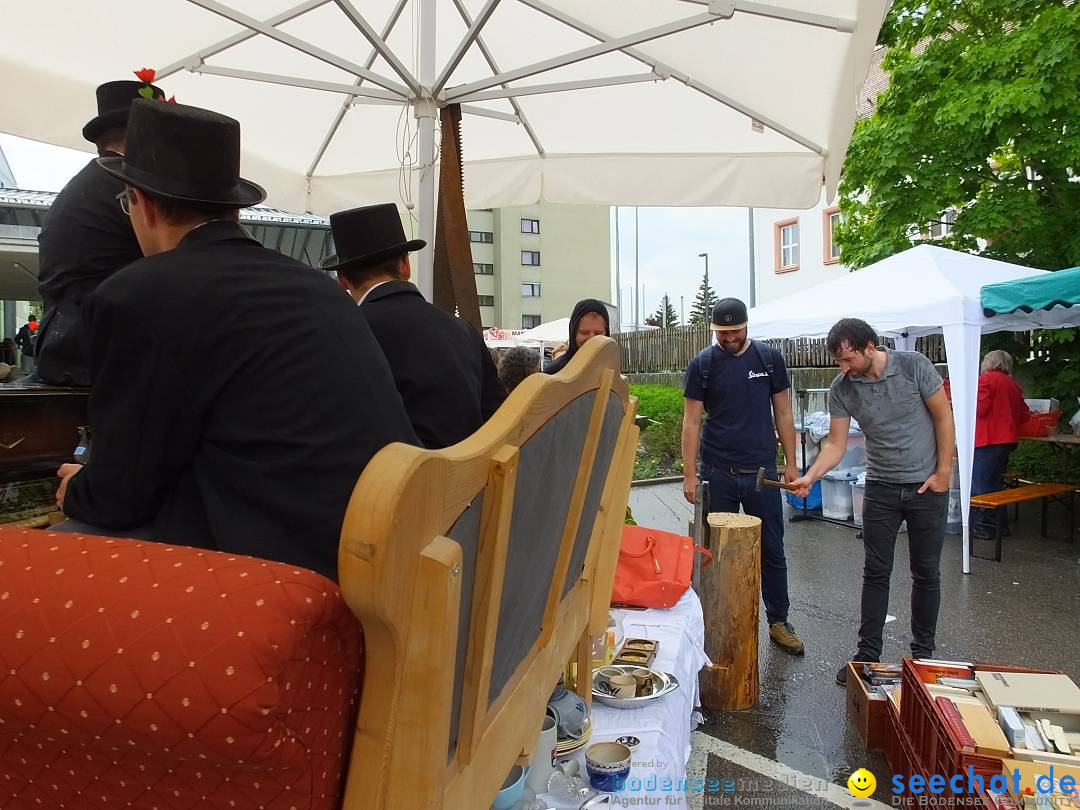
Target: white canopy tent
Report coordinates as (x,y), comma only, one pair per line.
(924,290)
(628,102)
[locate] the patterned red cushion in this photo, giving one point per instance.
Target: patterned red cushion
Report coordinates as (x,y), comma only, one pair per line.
(135,674)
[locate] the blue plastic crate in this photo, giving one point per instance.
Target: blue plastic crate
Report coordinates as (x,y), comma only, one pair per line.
(814,498)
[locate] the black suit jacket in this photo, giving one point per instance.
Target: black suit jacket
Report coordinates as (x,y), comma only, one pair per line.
(441,367)
(237,396)
(85,239)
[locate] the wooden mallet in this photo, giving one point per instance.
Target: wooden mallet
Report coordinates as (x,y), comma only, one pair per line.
(761,480)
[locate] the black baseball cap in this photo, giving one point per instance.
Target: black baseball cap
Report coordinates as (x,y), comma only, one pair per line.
(728,315)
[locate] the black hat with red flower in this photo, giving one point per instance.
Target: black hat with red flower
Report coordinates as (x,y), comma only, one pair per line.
(114,102)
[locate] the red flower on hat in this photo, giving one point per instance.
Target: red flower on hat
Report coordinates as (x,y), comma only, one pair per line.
(172,99)
(146,75)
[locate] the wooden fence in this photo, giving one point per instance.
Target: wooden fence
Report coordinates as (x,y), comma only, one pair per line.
(663,350)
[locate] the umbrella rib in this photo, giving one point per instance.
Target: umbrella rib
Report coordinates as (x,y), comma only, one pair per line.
(383,96)
(495,69)
(459,53)
(601,48)
(486,113)
(387,29)
(666,70)
(559,87)
(379,44)
(236,39)
(843,24)
(304,47)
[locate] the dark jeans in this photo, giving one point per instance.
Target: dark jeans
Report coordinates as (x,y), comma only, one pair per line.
(884,508)
(727,491)
(986,470)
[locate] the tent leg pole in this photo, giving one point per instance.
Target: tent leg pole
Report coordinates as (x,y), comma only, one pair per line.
(425,113)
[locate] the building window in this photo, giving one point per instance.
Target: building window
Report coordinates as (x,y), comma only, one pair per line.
(530,290)
(787,245)
(942,228)
(482,236)
(530,321)
(485,300)
(530,258)
(830,219)
(483,269)
(530,226)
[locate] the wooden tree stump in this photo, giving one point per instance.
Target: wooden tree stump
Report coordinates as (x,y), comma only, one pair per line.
(730,598)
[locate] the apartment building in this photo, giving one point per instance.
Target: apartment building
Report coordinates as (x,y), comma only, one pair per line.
(533,263)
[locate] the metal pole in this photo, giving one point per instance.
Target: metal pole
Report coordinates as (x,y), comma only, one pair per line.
(425,114)
(637,300)
(682,310)
(618,276)
(753,261)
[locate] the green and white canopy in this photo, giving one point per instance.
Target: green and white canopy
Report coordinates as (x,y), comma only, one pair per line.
(1049,300)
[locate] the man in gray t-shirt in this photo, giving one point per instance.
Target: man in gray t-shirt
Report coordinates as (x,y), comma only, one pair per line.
(898,400)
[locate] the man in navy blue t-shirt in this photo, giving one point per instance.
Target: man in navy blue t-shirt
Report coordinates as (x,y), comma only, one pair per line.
(743,387)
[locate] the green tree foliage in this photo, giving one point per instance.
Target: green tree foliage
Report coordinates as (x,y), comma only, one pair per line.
(665,316)
(981,116)
(704,301)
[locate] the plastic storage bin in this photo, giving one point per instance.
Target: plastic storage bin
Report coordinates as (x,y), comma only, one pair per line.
(954,520)
(854,455)
(813,499)
(836,495)
(858,492)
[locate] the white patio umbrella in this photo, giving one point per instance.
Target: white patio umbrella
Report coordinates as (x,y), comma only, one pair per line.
(647,102)
(556,331)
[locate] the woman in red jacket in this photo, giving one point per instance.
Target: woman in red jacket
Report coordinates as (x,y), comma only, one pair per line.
(1000,413)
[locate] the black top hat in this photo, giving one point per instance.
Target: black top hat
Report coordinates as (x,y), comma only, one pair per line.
(366,236)
(728,315)
(184,153)
(113,104)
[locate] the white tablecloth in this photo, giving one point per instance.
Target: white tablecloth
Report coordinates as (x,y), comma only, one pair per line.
(658,766)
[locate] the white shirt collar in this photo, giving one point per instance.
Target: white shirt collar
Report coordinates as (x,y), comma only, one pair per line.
(369,289)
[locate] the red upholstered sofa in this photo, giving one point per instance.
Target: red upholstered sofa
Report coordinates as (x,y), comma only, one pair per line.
(136,674)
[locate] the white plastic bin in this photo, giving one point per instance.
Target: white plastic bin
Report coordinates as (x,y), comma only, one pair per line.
(854,455)
(858,492)
(836,496)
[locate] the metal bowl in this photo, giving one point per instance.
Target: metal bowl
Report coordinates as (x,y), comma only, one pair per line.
(662,683)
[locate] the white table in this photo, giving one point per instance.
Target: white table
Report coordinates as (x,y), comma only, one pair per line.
(658,766)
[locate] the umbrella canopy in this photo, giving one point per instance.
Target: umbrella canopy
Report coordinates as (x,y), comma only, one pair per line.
(644,102)
(913,293)
(557,331)
(1050,300)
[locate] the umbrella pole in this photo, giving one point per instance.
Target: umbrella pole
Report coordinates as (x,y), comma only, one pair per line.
(425,114)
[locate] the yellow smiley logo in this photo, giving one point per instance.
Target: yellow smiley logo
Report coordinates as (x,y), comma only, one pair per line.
(861,783)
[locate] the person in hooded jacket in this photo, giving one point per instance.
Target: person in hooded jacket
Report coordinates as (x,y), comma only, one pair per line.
(589,319)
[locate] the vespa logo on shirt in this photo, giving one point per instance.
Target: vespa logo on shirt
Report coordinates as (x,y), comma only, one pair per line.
(753,376)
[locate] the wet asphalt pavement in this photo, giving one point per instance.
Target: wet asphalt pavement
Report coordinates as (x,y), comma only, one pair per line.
(1022,611)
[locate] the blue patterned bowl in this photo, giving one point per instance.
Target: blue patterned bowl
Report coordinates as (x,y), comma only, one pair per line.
(608,764)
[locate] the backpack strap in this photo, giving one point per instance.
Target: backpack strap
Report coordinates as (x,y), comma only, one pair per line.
(704,363)
(769,368)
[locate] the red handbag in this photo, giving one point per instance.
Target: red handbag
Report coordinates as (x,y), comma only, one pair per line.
(655,567)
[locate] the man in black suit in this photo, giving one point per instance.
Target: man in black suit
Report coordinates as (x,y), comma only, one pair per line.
(441,367)
(85,239)
(199,437)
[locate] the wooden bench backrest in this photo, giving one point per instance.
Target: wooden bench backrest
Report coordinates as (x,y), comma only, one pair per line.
(477,572)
